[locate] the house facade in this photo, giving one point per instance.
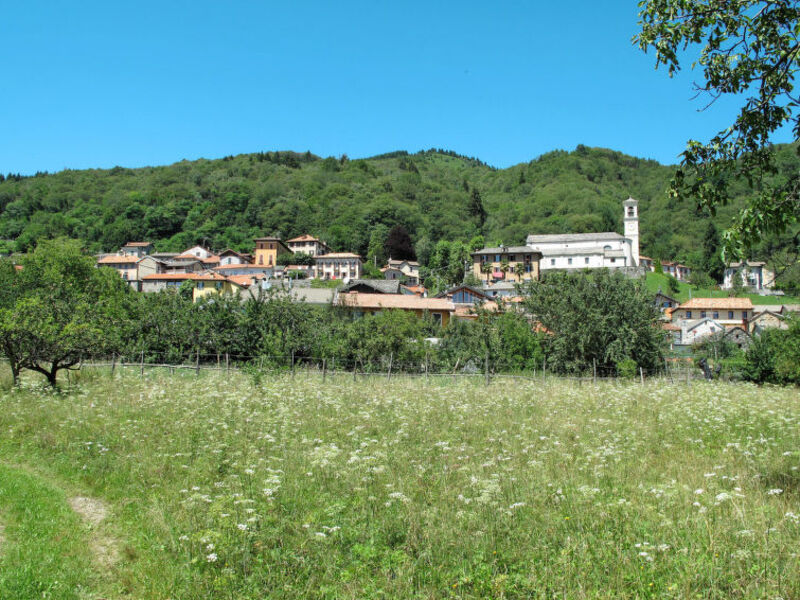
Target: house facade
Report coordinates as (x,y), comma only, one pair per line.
(308,244)
(125,265)
(267,250)
(440,309)
(231,257)
(766,320)
(729,312)
(165,281)
(137,249)
(751,274)
(506,263)
(212,284)
(407,270)
(338,265)
(693,332)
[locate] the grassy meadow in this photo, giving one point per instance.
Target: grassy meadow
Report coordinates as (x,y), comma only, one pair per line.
(185,486)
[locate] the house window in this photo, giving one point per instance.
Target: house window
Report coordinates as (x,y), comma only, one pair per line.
(703,314)
(569,261)
(715,314)
(744,314)
(613,260)
(511,258)
(586,260)
(200,285)
(730,314)
(496,258)
(528,268)
(437,318)
(630,211)
(688,314)
(552,261)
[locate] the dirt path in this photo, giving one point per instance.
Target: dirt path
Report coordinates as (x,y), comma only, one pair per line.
(93,512)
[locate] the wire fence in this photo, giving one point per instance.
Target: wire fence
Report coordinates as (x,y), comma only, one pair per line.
(674,370)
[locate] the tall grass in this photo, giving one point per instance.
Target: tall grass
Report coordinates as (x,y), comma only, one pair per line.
(408,489)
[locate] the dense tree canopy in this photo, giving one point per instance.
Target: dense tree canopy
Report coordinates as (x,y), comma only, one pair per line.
(603,319)
(353,204)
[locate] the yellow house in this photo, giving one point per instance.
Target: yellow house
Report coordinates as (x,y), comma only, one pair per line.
(267,250)
(212,283)
(506,263)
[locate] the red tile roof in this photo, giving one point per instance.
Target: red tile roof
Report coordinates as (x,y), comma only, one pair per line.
(118,259)
(184,276)
(245,266)
(303,238)
(718,303)
(401,301)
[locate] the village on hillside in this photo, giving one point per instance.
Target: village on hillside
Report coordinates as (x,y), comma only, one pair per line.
(492,282)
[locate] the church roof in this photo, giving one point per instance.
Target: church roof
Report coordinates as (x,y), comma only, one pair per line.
(558,238)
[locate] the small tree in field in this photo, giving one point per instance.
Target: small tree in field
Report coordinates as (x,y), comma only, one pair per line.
(61,309)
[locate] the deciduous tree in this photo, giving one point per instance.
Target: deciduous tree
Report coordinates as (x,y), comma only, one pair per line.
(749,51)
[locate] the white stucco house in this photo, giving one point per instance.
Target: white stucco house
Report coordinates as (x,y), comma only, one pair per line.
(592,250)
(752,274)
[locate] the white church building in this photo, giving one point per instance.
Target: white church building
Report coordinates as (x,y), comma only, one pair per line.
(592,250)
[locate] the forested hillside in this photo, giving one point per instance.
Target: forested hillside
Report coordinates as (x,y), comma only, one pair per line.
(434,194)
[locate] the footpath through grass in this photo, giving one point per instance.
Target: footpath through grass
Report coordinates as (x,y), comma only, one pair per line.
(44,553)
(408,489)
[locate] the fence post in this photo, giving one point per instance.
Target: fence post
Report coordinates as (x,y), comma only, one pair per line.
(544,368)
(197,364)
(141,374)
(113,363)
(594,370)
(389,372)
(355,368)
(227,362)
(292,364)
(487,367)
(641,374)
(426,366)
(324,364)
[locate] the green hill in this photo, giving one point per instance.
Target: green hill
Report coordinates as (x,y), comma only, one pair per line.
(226,202)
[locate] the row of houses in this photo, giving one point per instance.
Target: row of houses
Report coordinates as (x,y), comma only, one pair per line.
(737,319)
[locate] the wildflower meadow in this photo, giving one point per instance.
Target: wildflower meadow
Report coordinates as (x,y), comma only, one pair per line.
(222,485)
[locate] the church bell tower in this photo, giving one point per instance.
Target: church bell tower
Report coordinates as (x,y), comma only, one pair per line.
(630,217)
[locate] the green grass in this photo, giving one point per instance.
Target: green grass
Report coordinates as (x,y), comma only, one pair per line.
(408,489)
(659,281)
(44,553)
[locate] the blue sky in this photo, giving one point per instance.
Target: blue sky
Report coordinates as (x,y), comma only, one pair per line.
(97,84)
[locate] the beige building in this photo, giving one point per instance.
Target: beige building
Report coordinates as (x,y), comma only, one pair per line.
(440,309)
(766,320)
(406,270)
(137,249)
(728,312)
(307,244)
(501,264)
(338,265)
(124,264)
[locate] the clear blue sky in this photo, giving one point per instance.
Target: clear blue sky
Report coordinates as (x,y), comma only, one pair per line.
(98,84)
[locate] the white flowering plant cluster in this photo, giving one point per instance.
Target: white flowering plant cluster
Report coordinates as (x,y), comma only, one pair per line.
(404,488)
